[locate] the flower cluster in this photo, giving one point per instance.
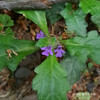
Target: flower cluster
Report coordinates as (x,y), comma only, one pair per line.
(48,50)
(40,35)
(59,51)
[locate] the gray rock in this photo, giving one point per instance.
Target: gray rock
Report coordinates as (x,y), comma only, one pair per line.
(22,72)
(30,97)
(90,86)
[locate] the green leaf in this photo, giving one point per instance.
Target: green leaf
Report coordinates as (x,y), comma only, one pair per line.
(6,20)
(53,14)
(73,68)
(75,20)
(90,6)
(50,81)
(43,42)
(90,65)
(84,48)
(38,17)
(1,28)
(9,32)
(20,47)
(96,20)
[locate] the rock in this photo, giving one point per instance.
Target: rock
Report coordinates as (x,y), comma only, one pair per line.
(90,86)
(30,97)
(22,72)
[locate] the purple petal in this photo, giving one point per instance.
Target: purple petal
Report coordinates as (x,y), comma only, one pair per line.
(62,51)
(44,35)
(48,50)
(51,53)
(43,48)
(59,54)
(56,50)
(45,53)
(41,33)
(49,46)
(38,33)
(38,36)
(59,47)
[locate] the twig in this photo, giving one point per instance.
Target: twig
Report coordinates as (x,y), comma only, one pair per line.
(61,25)
(96,65)
(53,29)
(20,95)
(29,4)
(5,95)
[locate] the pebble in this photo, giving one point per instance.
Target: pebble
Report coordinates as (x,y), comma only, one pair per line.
(90,86)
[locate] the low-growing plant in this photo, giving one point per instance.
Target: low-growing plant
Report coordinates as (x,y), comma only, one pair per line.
(53,79)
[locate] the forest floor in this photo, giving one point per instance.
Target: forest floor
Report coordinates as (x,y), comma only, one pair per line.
(18,86)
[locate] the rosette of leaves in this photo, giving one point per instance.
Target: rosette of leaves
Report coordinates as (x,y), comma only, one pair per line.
(52,82)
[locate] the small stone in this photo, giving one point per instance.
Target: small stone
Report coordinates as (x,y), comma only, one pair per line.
(22,72)
(90,86)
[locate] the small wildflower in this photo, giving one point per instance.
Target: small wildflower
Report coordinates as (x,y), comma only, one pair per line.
(59,51)
(40,35)
(48,50)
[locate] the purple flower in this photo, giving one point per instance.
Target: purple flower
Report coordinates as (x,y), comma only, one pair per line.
(48,50)
(59,51)
(40,35)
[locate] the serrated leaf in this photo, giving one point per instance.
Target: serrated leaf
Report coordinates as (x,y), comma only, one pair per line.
(84,48)
(90,6)
(96,20)
(50,81)
(38,17)
(20,47)
(6,20)
(9,32)
(53,14)
(73,68)
(75,20)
